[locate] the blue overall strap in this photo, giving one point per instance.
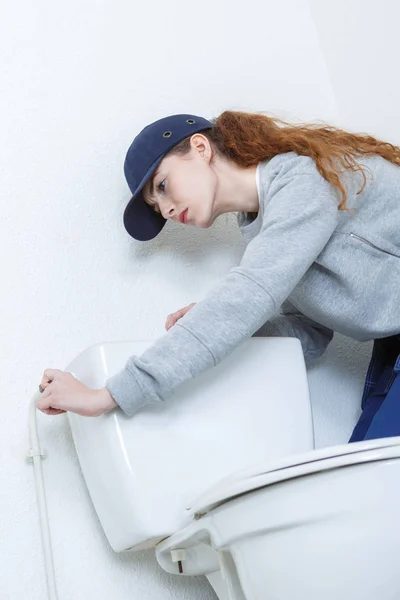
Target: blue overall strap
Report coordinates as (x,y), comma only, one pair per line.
(377,385)
(386,421)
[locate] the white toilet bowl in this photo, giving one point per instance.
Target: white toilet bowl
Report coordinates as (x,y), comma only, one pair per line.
(324,525)
(276,520)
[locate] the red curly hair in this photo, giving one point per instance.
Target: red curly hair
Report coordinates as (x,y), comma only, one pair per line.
(249,138)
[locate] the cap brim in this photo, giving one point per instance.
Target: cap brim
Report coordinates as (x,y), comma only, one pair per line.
(141,221)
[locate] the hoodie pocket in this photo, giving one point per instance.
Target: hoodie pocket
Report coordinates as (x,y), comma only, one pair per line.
(358,237)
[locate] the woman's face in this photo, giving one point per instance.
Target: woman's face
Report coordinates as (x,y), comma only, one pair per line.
(183,188)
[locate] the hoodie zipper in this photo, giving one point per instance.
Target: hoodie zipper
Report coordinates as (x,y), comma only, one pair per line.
(373,245)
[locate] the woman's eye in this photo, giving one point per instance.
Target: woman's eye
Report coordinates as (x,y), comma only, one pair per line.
(161,185)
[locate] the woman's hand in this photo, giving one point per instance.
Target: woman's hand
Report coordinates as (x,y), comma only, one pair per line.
(62,392)
(172,319)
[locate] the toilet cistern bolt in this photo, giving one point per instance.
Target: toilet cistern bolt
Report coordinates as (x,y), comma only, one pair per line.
(178,555)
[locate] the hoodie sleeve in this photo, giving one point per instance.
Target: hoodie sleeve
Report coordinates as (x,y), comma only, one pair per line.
(300,215)
(313,336)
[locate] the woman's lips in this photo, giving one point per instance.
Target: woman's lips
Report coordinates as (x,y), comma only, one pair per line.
(183,216)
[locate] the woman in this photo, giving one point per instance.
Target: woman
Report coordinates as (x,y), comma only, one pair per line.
(319,210)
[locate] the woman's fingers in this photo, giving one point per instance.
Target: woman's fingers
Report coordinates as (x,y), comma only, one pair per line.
(47,393)
(53,411)
(174,317)
(48,376)
(52,374)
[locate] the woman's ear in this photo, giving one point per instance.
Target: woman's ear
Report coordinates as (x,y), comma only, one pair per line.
(199,143)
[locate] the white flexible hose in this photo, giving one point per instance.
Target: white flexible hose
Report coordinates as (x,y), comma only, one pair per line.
(36,455)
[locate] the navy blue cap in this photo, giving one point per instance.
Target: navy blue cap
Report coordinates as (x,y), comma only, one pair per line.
(143,157)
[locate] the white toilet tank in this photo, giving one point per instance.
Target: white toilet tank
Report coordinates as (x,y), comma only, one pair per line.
(142,472)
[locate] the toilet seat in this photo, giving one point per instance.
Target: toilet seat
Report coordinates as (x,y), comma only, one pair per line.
(312,536)
(247,480)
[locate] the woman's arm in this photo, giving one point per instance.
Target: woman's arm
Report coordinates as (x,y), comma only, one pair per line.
(300,216)
(314,337)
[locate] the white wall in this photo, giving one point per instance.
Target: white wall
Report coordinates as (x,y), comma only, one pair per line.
(79,80)
(359,39)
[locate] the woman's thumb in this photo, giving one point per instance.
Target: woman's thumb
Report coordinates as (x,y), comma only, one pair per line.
(172,319)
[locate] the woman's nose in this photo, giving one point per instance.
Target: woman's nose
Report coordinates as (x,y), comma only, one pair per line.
(167,211)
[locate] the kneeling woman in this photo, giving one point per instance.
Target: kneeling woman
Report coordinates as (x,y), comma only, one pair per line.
(319,210)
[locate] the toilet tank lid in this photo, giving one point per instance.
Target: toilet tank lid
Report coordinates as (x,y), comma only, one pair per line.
(247,480)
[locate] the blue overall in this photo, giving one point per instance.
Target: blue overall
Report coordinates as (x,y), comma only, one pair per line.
(380,401)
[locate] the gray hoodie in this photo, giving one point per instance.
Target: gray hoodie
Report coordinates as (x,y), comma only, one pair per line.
(308,270)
